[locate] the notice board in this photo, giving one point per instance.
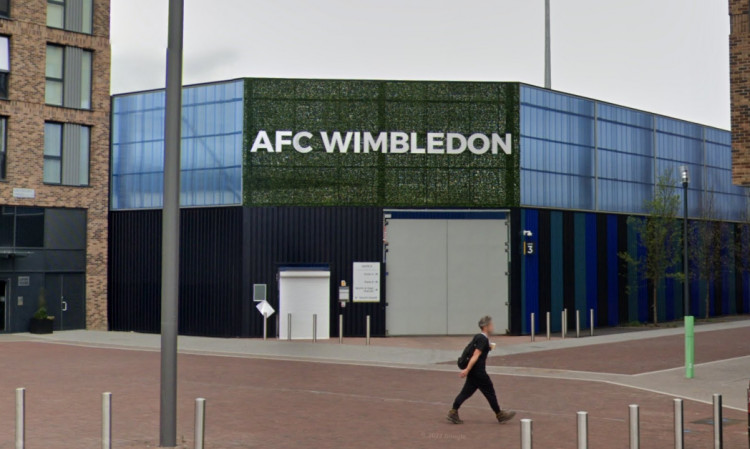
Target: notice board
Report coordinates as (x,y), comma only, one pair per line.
(366,283)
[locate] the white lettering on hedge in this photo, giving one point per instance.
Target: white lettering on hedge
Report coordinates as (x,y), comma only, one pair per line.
(394,142)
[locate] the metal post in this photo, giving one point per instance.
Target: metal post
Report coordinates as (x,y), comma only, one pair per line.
(689,347)
(578,324)
(591,322)
(583,430)
(526,433)
(341,328)
(367,337)
(635,427)
(718,423)
(689,320)
(265,327)
(20,418)
(200,423)
(533,326)
(106,420)
(748,415)
(549,335)
(547,47)
(563,324)
(679,422)
(170,275)
(315,327)
(289,326)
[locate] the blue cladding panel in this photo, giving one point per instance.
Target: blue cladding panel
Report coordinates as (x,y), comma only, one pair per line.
(592,287)
(530,222)
(212,126)
(580,154)
(613,272)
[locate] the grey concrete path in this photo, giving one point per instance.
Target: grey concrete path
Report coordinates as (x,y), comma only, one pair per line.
(353,350)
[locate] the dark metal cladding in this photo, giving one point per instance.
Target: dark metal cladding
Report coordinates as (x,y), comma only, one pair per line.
(210,271)
(224,251)
(335,236)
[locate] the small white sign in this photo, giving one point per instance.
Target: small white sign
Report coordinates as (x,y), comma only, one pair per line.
(265,309)
(24,193)
(24,281)
(366,282)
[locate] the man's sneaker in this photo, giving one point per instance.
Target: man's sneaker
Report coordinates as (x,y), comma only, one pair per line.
(503,416)
(453,417)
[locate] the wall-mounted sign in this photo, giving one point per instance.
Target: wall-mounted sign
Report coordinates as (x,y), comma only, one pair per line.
(24,281)
(529,248)
(24,193)
(366,282)
(394,142)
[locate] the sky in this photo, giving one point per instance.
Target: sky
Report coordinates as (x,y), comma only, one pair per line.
(665,56)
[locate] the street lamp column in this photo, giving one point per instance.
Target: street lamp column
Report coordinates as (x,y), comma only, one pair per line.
(689,320)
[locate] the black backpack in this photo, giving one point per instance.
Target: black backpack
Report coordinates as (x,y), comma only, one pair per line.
(463,361)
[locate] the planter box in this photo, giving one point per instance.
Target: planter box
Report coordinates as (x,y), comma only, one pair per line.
(41,326)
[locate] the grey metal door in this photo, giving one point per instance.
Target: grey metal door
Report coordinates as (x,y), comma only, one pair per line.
(415,284)
(444,273)
(66,300)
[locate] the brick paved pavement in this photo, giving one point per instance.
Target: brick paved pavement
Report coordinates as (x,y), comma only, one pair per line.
(255,403)
(638,356)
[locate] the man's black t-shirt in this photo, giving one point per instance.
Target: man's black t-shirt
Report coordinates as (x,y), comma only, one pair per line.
(483,344)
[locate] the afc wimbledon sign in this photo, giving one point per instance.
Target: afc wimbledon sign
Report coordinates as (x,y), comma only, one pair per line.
(394,142)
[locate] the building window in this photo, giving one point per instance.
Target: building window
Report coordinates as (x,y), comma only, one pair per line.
(5,8)
(70,15)
(4,66)
(66,154)
(68,75)
(3,146)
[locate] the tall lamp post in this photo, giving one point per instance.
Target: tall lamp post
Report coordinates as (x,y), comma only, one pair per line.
(689,320)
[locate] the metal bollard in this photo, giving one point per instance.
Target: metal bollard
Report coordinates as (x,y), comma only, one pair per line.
(563,323)
(533,326)
(679,422)
(583,430)
(200,423)
(549,336)
(289,326)
(635,427)
(748,414)
(578,324)
(526,431)
(367,330)
(341,328)
(718,423)
(591,322)
(106,420)
(315,327)
(20,417)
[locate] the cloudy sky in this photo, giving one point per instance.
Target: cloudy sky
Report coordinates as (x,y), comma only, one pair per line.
(665,56)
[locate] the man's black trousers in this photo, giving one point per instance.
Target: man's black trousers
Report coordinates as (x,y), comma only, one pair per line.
(477,380)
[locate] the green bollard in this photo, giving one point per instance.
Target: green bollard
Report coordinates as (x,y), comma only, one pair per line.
(689,347)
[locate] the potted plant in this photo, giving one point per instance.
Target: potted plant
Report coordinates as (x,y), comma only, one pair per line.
(41,322)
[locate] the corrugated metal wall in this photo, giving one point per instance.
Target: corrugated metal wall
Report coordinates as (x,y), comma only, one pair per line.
(225,251)
(211,287)
(337,236)
(577,267)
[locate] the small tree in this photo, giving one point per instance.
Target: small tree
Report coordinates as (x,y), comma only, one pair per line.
(742,243)
(659,233)
(706,238)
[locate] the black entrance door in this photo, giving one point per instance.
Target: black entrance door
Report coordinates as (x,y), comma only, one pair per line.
(66,300)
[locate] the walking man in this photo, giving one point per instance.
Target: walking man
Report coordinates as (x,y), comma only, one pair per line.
(477,377)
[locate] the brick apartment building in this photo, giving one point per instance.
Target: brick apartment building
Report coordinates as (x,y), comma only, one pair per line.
(739,74)
(54,161)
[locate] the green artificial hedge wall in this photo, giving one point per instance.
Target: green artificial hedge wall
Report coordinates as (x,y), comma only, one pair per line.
(377,179)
